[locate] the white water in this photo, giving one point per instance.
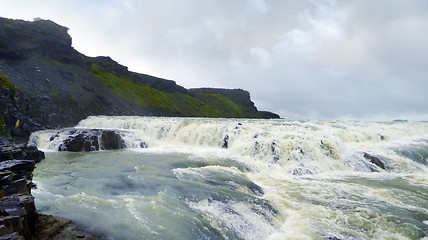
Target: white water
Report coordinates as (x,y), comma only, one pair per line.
(313,173)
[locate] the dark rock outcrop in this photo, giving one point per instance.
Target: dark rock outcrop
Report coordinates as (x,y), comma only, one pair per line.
(374,160)
(78,140)
(10,150)
(51,38)
(268,115)
(13,107)
(111,140)
(17,209)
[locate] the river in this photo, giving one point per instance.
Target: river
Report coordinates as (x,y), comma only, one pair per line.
(201,178)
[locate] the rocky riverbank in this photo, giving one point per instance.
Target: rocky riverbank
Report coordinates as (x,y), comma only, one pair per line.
(56,228)
(18,216)
(17,209)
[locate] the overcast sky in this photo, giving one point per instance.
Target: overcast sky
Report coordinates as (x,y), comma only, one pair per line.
(322,59)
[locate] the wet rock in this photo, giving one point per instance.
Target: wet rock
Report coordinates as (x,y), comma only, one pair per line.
(225,142)
(11,150)
(143,145)
(256,189)
(333,238)
(56,228)
(375,160)
(329,149)
(17,208)
(111,140)
(17,165)
(16,187)
(275,151)
(301,171)
(80,142)
(12,236)
(89,140)
(20,215)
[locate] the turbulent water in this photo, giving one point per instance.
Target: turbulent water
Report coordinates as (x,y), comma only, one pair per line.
(192,178)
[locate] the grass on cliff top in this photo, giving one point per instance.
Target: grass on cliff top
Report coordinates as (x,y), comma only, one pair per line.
(139,94)
(131,91)
(227,106)
(177,104)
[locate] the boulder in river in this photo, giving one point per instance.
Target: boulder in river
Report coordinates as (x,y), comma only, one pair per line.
(78,140)
(374,160)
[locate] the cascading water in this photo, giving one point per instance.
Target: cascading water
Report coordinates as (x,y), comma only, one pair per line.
(197,178)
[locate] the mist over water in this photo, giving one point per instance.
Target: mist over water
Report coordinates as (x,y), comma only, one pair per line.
(192,178)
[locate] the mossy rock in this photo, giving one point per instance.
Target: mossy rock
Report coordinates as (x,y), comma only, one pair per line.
(3,131)
(6,83)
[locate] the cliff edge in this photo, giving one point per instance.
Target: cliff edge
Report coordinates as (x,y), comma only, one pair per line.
(51,85)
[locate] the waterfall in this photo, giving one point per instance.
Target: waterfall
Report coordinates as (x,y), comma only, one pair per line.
(296,147)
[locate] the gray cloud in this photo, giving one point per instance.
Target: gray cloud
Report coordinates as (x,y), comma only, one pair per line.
(303,59)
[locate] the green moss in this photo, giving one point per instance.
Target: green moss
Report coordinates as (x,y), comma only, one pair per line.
(3,131)
(54,94)
(227,107)
(59,64)
(133,92)
(192,107)
(5,83)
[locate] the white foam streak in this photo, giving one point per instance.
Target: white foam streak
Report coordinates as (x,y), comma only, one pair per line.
(246,225)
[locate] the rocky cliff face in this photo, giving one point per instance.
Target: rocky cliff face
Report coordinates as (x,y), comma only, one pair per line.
(58,86)
(13,107)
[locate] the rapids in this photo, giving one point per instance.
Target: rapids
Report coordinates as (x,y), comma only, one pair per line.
(201,178)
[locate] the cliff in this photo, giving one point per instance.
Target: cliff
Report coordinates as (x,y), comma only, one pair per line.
(233,102)
(50,84)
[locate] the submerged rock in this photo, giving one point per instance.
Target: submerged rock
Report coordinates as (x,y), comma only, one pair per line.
(225,142)
(375,160)
(56,228)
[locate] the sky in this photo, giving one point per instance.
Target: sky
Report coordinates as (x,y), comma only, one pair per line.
(303,59)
